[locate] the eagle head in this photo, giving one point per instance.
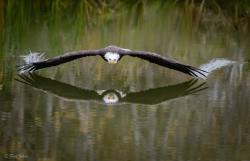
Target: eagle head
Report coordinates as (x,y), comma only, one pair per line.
(112,57)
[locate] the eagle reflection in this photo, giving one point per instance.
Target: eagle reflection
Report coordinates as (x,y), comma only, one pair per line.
(113,96)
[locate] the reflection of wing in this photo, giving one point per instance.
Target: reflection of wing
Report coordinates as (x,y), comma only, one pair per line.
(58,88)
(150,97)
(158,95)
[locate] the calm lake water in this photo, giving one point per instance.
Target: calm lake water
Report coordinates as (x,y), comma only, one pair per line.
(60,113)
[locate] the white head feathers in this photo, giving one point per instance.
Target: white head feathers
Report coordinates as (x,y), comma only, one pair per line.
(112,57)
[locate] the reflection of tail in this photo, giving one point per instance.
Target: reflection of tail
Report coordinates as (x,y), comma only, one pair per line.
(213,65)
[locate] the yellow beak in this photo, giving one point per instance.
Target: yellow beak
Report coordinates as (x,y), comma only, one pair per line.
(112,62)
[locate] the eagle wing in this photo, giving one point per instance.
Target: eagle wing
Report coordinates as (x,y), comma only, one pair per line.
(32,66)
(166,62)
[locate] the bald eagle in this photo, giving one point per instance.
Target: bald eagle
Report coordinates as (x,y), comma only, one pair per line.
(112,96)
(111,54)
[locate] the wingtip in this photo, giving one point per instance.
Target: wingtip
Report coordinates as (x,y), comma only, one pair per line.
(26,68)
(198,73)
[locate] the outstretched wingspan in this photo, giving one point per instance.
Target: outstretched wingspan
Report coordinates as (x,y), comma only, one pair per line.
(166,62)
(111,54)
(32,66)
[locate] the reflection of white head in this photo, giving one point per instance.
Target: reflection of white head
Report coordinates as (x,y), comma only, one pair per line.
(110,98)
(111,57)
